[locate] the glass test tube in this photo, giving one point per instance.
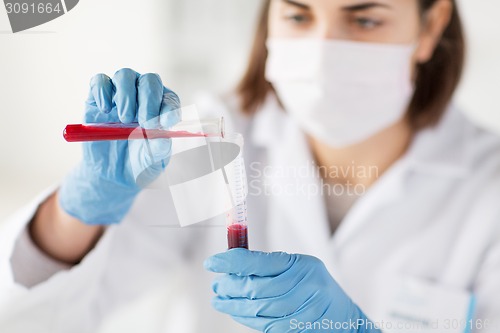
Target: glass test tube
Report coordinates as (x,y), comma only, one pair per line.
(236,218)
(120,131)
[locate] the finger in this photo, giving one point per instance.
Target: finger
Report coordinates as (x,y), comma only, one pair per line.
(295,322)
(149,159)
(125,82)
(256,287)
(149,99)
(101,91)
(243,262)
(170,113)
(259,324)
(273,325)
(275,307)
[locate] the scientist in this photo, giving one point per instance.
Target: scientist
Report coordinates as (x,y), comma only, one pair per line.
(344,83)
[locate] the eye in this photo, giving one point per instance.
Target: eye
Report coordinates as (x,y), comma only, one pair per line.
(367,23)
(298,18)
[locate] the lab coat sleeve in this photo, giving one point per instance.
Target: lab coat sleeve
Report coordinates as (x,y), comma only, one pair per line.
(487,289)
(36,309)
(30,265)
(13,235)
(10,233)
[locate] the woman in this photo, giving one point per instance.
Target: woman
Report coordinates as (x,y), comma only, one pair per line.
(412,239)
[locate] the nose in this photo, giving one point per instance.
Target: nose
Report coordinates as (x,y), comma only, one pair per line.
(328,29)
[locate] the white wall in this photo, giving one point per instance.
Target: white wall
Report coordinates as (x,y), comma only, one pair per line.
(192,44)
(479,94)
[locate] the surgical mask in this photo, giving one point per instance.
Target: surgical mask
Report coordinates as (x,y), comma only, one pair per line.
(341,92)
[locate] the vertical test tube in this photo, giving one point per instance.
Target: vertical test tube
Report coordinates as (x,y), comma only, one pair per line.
(237,224)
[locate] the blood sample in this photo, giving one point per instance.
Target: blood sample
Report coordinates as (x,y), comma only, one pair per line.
(237,236)
(119,131)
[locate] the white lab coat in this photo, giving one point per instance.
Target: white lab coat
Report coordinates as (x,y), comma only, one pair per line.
(433,217)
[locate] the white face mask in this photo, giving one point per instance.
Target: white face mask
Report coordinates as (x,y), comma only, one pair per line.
(341,92)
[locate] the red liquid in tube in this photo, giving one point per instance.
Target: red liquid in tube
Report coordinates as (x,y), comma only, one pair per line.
(237,236)
(107,132)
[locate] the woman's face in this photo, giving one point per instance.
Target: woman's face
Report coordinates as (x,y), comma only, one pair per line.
(376,21)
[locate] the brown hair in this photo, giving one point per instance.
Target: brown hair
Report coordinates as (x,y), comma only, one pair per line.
(435,80)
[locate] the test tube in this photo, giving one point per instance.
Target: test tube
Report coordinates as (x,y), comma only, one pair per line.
(120,131)
(236,218)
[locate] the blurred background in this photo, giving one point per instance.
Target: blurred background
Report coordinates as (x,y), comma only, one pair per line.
(194,45)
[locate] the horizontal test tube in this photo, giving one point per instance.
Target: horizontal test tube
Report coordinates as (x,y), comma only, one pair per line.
(120,131)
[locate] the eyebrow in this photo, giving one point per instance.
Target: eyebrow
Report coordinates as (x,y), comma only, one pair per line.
(364,6)
(297,4)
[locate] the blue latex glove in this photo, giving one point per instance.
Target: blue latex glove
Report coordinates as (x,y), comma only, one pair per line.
(102,188)
(280,292)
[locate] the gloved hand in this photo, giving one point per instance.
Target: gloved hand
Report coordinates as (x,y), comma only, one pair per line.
(279,292)
(102,188)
